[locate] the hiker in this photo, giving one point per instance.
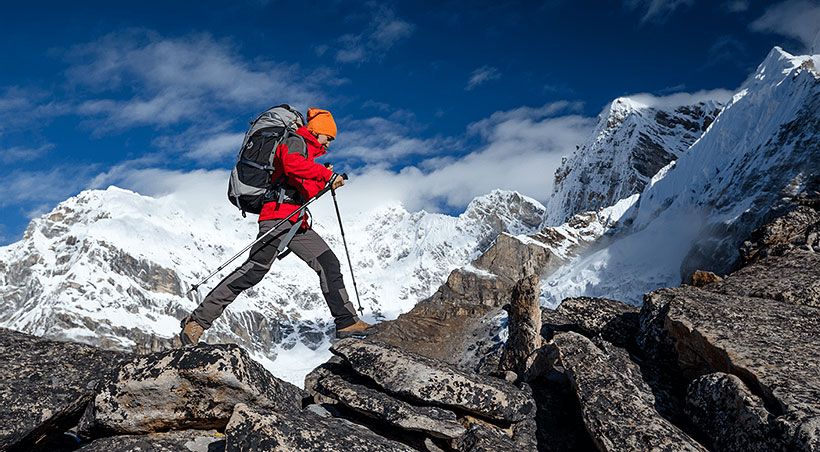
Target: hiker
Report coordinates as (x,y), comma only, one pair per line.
(303,178)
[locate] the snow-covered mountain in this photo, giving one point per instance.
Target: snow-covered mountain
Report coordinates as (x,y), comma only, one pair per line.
(111,268)
(631,143)
(760,153)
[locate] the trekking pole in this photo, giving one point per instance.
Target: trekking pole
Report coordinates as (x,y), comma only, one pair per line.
(339,216)
(297,211)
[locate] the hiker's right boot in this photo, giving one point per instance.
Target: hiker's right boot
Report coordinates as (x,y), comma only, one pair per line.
(358,329)
(191,331)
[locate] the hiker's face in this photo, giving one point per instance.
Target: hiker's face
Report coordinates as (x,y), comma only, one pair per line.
(323,139)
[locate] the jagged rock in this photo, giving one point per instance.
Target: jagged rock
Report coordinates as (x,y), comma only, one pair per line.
(442,326)
(333,366)
(792,278)
(552,322)
(436,422)
(447,325)
(515,259)
(189,387)
(782,234)
(429,381)
(702,278)
(484,437)
(774,347)
(615,321)
(187,440)
(45,386)
(732,418)
(524,326)
(255,429)
(615,418)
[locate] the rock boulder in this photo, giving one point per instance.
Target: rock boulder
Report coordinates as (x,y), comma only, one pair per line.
(434,421)
(257,429)
(433,382)
(185,441)
(45,386)
(730,416)
(189,387)
(740,327)
(615,417)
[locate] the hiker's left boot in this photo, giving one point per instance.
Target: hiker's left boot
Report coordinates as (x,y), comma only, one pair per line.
(358,329)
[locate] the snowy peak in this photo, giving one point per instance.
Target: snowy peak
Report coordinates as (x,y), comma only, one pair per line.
(758,158)
(779,63)
(507,211)
(631,143)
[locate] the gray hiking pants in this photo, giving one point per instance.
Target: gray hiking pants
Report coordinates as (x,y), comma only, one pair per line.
(309,247)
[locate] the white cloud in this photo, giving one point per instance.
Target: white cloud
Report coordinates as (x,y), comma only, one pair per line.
(21,105)
(168,80)
(379,140)
(679,99)
(798,19)
(482,75)
(522,149)
(657,10)
(23,153)
(217,147)
(379,36)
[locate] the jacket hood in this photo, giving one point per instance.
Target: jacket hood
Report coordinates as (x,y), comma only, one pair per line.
(313,144)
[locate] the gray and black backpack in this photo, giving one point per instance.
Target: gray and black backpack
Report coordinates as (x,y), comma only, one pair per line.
(250,185)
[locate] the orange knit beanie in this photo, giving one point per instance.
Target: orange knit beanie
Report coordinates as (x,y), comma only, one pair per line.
(321,121)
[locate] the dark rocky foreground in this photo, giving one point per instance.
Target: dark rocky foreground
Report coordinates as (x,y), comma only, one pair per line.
(727,364)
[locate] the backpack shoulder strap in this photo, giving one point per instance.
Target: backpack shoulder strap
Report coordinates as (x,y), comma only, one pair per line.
(296,144)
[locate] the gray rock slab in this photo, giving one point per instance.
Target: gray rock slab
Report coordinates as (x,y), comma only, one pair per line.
(434,382)
(436,422)
(174,441)
(615,321)
(792,278)
(614,417)
(773,346)
(189,387)
(256,429)
(484,437)
(733,418)
(45,386)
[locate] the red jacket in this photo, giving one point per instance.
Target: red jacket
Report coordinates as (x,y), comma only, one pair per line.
(301,173)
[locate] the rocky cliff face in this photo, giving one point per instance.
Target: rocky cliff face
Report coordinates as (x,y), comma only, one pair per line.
(630,144)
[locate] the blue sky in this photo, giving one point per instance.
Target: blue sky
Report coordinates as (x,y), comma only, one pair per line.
(436,102)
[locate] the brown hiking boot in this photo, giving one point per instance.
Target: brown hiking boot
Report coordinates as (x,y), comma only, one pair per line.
(191,331)
(358,329)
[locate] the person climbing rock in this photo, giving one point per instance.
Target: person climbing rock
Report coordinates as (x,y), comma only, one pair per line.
(299,179)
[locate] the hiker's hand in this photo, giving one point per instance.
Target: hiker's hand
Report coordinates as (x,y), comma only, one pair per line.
(338,181)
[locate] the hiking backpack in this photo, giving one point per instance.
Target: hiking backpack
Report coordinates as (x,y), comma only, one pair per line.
(250,185)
